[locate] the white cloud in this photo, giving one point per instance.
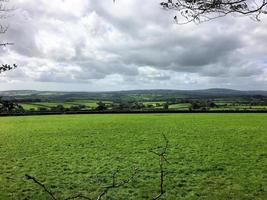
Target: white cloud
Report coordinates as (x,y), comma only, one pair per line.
(129,45)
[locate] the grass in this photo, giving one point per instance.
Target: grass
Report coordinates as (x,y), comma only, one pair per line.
(182,106)
(28,106)
(212,156)
(68,104)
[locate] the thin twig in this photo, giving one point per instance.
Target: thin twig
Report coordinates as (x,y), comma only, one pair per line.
(116,185)
(6,44)
(162,159)
(41,185)
(102,194)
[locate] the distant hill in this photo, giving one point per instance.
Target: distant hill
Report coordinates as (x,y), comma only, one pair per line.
(133,94)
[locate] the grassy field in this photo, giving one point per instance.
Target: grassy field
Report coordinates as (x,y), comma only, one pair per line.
(212,156)
(183,106)
(28,106)
(35,105)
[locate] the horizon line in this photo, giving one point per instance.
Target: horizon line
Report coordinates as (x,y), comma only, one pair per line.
(249,90)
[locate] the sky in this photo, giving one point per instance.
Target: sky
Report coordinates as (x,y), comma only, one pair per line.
(96,45)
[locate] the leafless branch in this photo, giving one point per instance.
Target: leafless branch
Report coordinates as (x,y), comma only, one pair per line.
(161,153)
(204,10)
(5,9)
(41,185)
(115,184)
(106,189)
(6,44)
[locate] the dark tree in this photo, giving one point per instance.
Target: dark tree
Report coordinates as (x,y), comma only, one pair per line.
(101,106)
(196,105)
(205,10)
(137,106)
(150,106)
(8,106)
(211,104)
(58,108)
(166,106)
(42,109)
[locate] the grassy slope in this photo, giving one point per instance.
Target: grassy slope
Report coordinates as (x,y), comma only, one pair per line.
(213,156)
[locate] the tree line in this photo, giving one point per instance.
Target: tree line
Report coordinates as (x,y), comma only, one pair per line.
(8,106)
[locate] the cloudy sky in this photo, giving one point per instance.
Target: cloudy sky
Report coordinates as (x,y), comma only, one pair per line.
(95,45)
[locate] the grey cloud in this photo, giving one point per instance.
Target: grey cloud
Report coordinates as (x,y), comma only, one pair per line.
(139,43)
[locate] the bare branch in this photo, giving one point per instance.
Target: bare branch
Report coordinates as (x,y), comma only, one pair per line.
(204,10)
(115,184)
(41,185)
(6,44)
(4,13)
(161,153)
(106,189)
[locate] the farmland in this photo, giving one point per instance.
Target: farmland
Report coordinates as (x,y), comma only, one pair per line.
(211,156)
(214,100)
(93,104)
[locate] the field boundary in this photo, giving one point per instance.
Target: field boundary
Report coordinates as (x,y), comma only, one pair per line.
(130,112)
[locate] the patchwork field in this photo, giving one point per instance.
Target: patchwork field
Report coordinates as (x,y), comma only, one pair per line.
(211,156)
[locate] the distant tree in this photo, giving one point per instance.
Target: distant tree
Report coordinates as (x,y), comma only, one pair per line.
(42,109)
(81,106)
(124,106)
(205,10)
(202,105)
(137,106)
(58,108)
(150,106)
(195,105)
(7,106)
(158,104)
(211,104)
(74,108)
(101,106)
(166,106)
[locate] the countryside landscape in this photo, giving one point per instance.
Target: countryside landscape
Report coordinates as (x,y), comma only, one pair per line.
(133,100)
(220,155)
(210,100)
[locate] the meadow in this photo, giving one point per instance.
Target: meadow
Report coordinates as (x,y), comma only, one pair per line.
(211,156)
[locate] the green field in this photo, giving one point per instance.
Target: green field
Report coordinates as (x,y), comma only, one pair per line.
(212,156)
(182,106)
(67,104)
